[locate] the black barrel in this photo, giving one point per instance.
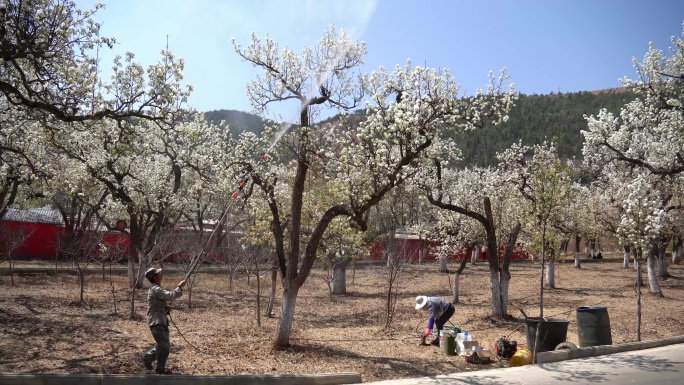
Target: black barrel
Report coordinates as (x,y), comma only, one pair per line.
(593,326)
(553,331)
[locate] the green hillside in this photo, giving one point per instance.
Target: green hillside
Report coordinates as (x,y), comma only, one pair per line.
(539,117)
(533,119)
(237,121)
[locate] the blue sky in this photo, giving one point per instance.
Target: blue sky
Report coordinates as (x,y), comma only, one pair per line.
(547,46)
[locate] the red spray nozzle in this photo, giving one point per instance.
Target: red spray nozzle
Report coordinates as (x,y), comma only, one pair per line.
(235,194)
(242,184)
(263,157)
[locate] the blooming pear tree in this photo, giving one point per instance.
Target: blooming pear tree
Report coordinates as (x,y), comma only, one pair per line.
(547,186)
(49,65)
(647,133)
(144,168)
(640,227)
(406,111)
(19,155)
(484,196)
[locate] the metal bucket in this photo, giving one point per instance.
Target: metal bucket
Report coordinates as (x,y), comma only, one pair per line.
(553,331)
(593,326)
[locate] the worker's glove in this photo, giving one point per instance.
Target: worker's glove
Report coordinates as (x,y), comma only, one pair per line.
(427,332)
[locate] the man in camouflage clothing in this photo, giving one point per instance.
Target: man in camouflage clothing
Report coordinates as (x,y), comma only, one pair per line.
(439,311)
(158,321)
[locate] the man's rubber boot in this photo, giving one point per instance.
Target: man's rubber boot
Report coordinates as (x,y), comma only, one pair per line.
(163,371)
(435,342)
(148,365)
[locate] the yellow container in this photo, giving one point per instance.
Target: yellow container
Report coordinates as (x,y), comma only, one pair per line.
(521,357)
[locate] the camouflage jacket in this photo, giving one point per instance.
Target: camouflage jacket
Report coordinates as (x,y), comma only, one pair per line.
(156,304)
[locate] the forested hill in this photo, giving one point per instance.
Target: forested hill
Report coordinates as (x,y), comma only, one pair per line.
(533,119)
(237,121)
(539,117)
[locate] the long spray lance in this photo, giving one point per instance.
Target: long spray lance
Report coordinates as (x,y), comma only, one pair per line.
(202,253)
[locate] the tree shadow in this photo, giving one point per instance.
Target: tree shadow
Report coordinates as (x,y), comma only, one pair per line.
(406,368)
(590,373)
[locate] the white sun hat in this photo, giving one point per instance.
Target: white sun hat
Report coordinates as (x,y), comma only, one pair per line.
(421,300)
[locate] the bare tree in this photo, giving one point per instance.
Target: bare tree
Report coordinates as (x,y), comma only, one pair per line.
(12,238)
(398,260)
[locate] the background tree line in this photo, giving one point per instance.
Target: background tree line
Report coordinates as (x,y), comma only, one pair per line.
(533,119)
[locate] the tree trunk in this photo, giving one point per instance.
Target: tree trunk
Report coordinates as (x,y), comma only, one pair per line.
(443,265)
(422,252)
(286,318)
(131,271)
(537,337)
(652,276)
(258,294)
(676,247)
(497,301)
(457,274)
(551,274)
(81,284)
(390,259)
(625,258)
(339,284)
(638,295)
(662,262)
(474,255)
(576,253)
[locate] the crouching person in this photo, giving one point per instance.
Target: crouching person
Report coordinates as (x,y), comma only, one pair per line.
(439,311)
(158,320)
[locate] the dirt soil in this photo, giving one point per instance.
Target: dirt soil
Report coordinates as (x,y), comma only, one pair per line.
(43,327)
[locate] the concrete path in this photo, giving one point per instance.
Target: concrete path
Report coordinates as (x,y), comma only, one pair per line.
(662,365)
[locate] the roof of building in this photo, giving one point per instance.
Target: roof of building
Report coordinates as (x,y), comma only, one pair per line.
(42,215)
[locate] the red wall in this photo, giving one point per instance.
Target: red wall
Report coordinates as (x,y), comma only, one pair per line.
(410,248)
(41,240)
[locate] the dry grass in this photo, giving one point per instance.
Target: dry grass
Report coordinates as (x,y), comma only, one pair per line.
(43,329)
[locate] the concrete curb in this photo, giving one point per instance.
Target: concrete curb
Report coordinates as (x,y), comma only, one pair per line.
(593,351)
(123,379)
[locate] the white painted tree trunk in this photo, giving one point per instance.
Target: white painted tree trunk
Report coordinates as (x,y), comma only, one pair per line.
(675,256)
(550,280)
(494,284)
(586,249)
(676,248)
(390,259)
(287,311)
(625,258)
(443,264)
(504,295)
(422,253)
(339,283)
(131,272)
(456,280)
(652,275)
(637,265)
(577,260)
(474,255)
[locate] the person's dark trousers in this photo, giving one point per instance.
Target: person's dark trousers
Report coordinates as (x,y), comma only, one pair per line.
(441,321)
(444,318)
(160,351)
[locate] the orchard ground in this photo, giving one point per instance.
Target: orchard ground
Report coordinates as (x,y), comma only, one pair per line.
(44,329)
